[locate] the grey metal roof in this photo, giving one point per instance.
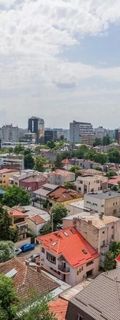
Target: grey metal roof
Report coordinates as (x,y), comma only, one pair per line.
(45,189)
(101,299)
(104,195)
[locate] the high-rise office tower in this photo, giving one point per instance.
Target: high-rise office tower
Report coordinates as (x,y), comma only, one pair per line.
(36,126)
(81,132)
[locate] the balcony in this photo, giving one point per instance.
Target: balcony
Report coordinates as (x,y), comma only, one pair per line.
(22,227)
(63,269)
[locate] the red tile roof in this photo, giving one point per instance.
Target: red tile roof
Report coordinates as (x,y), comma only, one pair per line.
(70,244)
(62,194)
(17,213)
(118,259)
(59,308)
(37,219)
(114,181)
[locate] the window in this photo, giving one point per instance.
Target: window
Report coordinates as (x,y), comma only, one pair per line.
(79,189)
(43,250)
(51,258)
(89,263)
(103,232)
(112,227)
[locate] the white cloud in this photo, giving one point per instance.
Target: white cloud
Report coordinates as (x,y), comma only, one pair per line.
(33,33)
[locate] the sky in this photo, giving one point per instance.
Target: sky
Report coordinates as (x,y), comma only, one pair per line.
(60,60)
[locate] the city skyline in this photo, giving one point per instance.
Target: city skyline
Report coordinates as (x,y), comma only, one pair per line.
(60,61)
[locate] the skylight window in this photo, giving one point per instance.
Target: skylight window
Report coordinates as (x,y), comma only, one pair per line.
(11,273)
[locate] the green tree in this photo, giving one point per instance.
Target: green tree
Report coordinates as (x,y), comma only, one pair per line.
(16,196)
(39,311)
(114,251)
(6,232)
(5,222)
(114,156)
(69,185)
(109,263)
(106,140)
(39,163)
(19,149)
(97,142)
(111,174)
(58,212)
(58,161)
(6,250)
(47,228)
(29,161)
(51,144)
(8,299)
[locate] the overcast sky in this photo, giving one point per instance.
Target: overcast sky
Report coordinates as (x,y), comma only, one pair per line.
(60,60)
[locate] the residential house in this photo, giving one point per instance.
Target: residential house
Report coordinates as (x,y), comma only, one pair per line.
(18,221)
(66,164)
(5,175)
(85,184)
(31,180)
(76,206)
(36,218)
(40,196)
(13,161)
(99,231)
(59,177)
(28,279)
(68,255)
(100,300)
(35,223)
(107,203)
(63,195)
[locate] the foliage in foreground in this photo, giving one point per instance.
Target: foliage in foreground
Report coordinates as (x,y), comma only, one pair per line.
(111,255)
(16,196)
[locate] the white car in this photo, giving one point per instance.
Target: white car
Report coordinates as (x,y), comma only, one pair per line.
(17,251)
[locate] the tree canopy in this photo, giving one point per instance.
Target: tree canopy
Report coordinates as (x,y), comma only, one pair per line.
(6,231)
(58,212)
(28,159)
(39,163)
(8,299)
(15,196)
(6,250)
(114,251)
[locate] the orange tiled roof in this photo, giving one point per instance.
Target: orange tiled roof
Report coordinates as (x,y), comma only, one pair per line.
(59,308)
(118,258)
(16,213)
(62,194)
(70,244)
(114,180)
(37,219)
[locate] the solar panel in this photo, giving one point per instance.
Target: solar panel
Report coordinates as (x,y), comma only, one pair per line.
(11,273)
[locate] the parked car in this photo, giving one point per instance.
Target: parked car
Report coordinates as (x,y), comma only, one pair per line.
(27,247)
(17,251)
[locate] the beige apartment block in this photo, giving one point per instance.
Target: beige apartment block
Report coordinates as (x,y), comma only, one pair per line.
(88,183)
(99,231)
(107,203)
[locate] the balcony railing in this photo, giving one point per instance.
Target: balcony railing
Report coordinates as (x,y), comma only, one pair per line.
(63,269)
